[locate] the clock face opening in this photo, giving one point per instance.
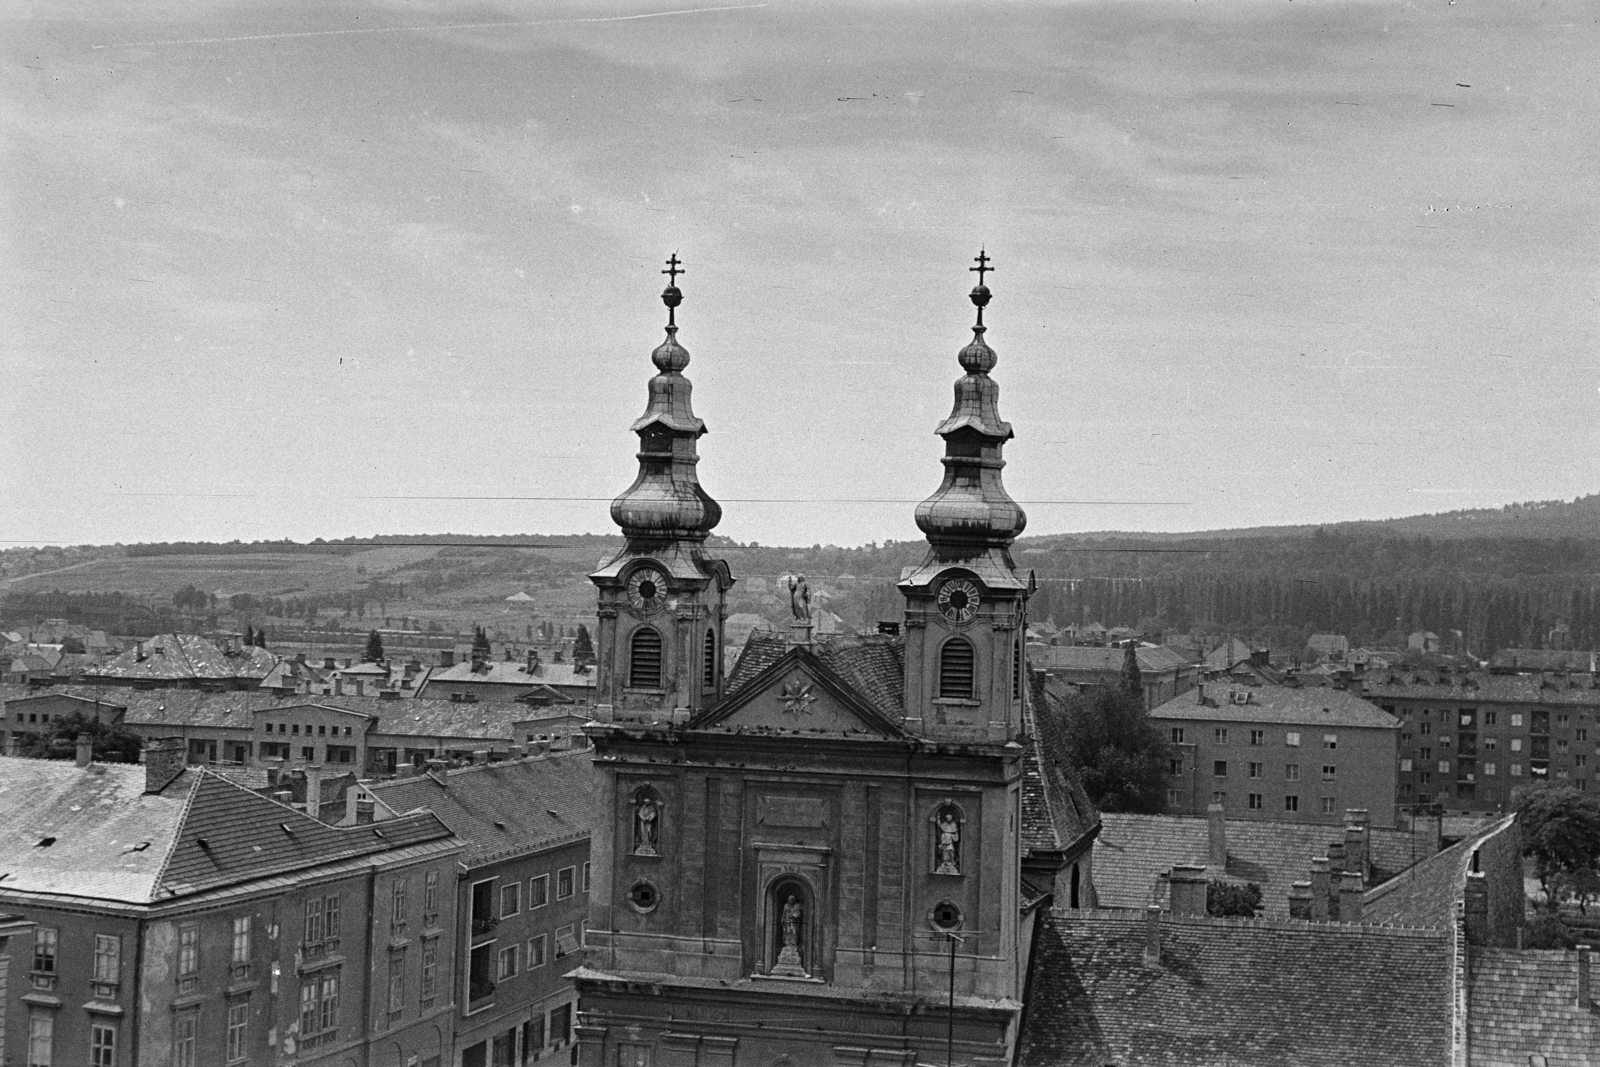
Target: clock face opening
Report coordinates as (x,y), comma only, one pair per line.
(647,590)
(958,600)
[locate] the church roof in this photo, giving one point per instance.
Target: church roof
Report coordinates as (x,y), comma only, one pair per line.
(1056,812)
(872,665)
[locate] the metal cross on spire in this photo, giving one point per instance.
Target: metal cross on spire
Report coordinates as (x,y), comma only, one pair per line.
(673,269)
(670,296)
(982,261)
(980,292)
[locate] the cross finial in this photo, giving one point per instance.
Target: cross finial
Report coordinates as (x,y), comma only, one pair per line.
(670,296)
(982,262)
(673,269)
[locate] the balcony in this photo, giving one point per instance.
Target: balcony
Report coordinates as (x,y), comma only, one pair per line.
(478,991)
(484,924)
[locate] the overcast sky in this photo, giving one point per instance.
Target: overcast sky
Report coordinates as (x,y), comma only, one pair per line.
(314,269)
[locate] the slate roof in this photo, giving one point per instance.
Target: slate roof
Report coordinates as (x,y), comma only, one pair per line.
(1228,653)
(177,657)
(761,650)
(502,809)
(1426,894)
(1133,851)
(113,842)
(515,674)
(1525,1001)
(1056,812)
(1479,687)
(1154,658)
(1235,993)
(1291,706)
(874,665)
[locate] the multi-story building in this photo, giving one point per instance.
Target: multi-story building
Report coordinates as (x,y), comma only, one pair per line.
(1468,739)
(179,919)
(1163,674)
(509,679)
(1279,752)
(522,895)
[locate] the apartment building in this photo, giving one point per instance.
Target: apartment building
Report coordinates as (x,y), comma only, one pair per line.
(179,919)
(1280,753)
(522,896)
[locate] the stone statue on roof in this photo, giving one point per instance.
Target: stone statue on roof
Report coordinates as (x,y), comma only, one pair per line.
(799,598)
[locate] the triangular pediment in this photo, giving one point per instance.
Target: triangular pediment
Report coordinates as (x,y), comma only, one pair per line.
(798,694)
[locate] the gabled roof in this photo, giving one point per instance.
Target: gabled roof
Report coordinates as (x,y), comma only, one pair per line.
(1056,812)
(515,674)
(872,664)
(1095,658)
(856,704)
(1228,653)
(1134,851)
(111,841)
(176,657)
(1522,1002)
(501,809)
(1240,993)
(1426,894)
(1475,686)
(1309,707)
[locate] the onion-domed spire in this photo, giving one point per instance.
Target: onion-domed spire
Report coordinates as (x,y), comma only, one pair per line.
(665,502)
(971,512)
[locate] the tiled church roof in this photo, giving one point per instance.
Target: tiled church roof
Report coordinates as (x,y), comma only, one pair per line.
(1056,812)
(1524,1002)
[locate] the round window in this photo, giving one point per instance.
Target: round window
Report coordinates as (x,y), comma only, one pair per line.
(946,916)
(644,897)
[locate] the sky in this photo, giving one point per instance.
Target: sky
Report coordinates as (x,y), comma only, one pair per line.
(348,267)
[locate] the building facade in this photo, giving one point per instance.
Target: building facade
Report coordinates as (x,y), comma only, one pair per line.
(1279,753)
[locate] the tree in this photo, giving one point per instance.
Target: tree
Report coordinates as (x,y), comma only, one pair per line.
(1132,680)
(112,744)
(1121,757)
(582,647)
(374,651)
(249,636)
(1233,898)
(261,638)
(480,644)
(1561,831)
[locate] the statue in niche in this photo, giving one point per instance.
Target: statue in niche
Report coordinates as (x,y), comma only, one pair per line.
(947,851)
(799,598)
(646,826)
(791,919)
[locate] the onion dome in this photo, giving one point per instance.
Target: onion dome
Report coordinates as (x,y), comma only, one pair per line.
(971,510)
(665,502)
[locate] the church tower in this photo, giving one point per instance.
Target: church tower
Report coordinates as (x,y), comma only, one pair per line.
(966,604)
(662,599)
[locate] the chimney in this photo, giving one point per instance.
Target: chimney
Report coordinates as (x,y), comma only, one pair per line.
(365,809)
(1152,936)
(163,761)
(437,768)
(533,661)
(284,796)
(85,750)
(338,686)
(1355,849)
(314,790)
(1475,904)
(1350,890)
(1200,693)
(447,657)
(1188,889)
(1321,889)
(328,663)
(1583,978)
(361,687)
(1300,900)
(1217,828)
(1336,857)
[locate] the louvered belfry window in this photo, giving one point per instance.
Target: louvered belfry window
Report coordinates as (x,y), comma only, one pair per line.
(644,662)
(955,669)
(711,660)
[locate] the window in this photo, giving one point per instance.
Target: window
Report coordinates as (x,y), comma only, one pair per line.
(532,1036)
(510,899)
(1219,768)
(397,906)
(430,895)
(1174,798)
(1491,743)
(1516,718)
(238,1030)
(42,1039)
(585,876)
(1292,738)
(536,952)
(1425,753)
(1516,770)
(1291,803)
(1219,797)
(1425,728)
(1489,717)
(1257,801)
(538,891)
(44,950)
(107,962)
(1405,765)
(103,1045)
(1329,772)
(239,957)
(1327,805)
(1563,720)
(319,1009)
(397,985)
(1580,734)
(1516,744)
(956,669)
(566,941)
(709,681)
(1466,717)
(1580,761)
(430,970)
(561,1024)
(1330,741)
(644,659)
(321,920)
(564,883)
(1220,735)
(188,958)
(184,1029)
(1561,745)
(1256,769)
(1488,769)
(507,967)
(1291,772)
(1177,735)
(1444,766)
(1258,737)
(1175,766)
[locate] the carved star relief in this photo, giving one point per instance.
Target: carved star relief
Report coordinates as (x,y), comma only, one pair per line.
(797,697)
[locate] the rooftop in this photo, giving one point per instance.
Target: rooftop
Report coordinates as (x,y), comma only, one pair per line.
(1522,1002)
(1095,658)
(178,657)
(515,674)
(1482,687)
(1291,706)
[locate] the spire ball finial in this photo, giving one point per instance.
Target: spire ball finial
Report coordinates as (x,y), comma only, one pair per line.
(980,294)
(672,296)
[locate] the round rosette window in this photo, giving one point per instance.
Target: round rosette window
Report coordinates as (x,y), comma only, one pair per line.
(644,897)
(946,916)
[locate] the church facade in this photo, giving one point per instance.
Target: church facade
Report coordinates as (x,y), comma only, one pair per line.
(836,854)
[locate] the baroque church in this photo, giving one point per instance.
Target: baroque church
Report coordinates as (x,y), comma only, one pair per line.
(837,853)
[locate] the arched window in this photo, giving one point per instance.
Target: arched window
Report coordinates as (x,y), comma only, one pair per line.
(955,669)
(710,681)
(644,659)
